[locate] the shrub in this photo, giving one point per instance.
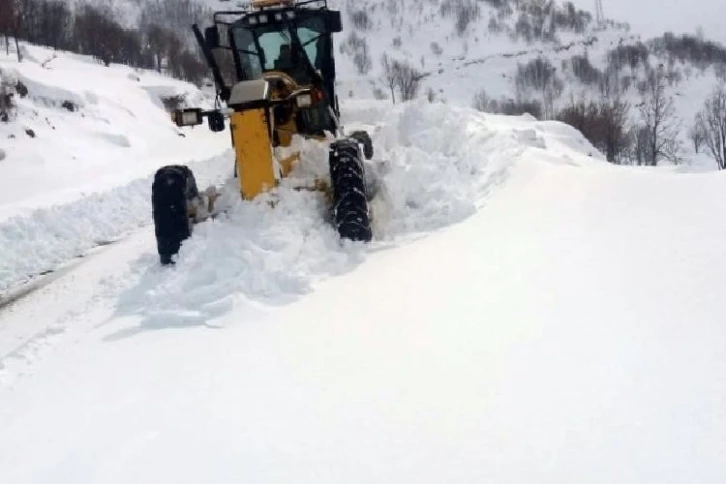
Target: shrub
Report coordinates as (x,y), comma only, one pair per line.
(464,13)
(361,20)
(7,101)
(436,49)
(603,124)
(357,47)
(510,107)
(584,70)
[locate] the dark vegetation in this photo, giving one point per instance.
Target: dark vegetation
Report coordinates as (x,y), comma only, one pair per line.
(162,40)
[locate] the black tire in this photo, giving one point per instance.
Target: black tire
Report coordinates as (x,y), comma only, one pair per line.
(350,204)
(364,138)
(173,188)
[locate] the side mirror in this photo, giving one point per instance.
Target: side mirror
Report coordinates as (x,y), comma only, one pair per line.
(211,37)
(334,22)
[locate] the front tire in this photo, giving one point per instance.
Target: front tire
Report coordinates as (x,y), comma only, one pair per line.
(351,214)
(173,190)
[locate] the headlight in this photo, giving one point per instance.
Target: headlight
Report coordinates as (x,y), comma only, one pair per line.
(188,117)
(304,101)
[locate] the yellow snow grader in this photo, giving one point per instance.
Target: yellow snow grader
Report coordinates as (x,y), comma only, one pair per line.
(282,85)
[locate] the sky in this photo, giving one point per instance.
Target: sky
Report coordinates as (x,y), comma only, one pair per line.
(653,17)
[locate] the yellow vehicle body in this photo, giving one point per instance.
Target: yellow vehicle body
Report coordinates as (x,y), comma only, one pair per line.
(289,92)
(253,152)
(258,170)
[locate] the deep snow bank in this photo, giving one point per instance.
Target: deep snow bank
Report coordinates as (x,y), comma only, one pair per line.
(84,127)
(438,164)
(46,238)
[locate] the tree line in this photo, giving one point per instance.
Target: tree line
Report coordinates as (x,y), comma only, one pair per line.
(93,30)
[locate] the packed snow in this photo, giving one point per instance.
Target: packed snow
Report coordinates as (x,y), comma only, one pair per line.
(527,313)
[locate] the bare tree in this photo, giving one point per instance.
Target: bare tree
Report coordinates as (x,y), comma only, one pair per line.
(614,118)
(482,101)
(156,37)
(464,12)
(658,115)
(8,21)
(409,81)
(7,101)
(711,121)
(357,47)
(56,21)
(540,75)
(696,135)
(720,70)
(552,92)
(402,76)
(603,124)
(361,20)
(640,136)
(390,75)
(10,24)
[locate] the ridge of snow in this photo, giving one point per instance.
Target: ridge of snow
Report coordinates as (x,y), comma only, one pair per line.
(113,129)
(46,238)
(438,165)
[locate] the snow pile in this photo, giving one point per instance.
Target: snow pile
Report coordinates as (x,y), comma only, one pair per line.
(84,127)
(439,164)
(47,238)
(78,152)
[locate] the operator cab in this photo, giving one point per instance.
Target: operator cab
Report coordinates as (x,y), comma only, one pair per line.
(290,37)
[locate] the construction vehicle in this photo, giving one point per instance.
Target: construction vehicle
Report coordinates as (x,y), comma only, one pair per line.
(282,86)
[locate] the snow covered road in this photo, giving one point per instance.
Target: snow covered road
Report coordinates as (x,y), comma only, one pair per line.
(559,321)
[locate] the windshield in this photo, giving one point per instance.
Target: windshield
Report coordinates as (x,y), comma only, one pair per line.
(264,48)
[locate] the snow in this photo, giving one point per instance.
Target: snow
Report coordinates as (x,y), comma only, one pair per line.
(85,178)
(118,130)
(482,60)
(528,313)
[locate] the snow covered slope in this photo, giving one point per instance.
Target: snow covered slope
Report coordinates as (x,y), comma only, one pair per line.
(82,127)
(79,152)
(531,314)
(460,59)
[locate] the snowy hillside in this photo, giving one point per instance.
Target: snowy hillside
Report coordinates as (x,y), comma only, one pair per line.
(82,125)
(464,49)
(78,152)
(530,314)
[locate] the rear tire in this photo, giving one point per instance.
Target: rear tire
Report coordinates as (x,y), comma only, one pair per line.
(173,189)
(350,204)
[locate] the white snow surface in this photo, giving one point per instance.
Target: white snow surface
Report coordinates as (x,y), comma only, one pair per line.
(527,313)
(117,131)
(85,177)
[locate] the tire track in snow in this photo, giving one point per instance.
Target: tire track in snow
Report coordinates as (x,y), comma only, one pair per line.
(46,239)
